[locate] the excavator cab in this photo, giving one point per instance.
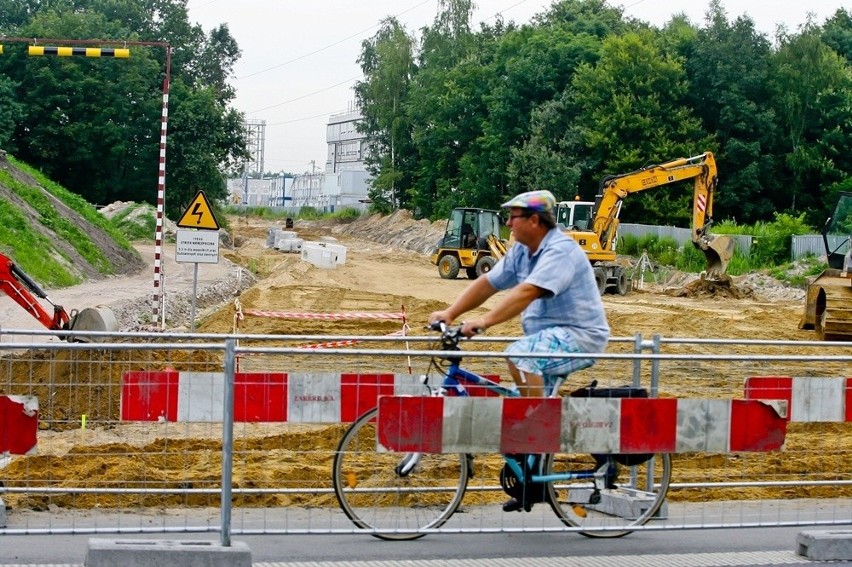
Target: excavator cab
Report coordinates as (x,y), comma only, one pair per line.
(575,215)
(828,301)
(471,241)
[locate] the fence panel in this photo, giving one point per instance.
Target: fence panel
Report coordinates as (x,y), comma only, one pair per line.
(682,236)
(130,434)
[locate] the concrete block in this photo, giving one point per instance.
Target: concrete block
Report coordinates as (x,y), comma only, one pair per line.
(165,553)
(275,234)
(339,251)
(319,255)
(825,545)
(289,244)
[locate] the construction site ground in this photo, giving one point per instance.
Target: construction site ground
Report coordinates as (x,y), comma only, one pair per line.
(387,269)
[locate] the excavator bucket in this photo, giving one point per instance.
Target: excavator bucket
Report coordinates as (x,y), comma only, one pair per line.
(718,250)
(99,318)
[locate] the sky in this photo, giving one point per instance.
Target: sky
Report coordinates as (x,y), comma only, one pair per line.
(299,58)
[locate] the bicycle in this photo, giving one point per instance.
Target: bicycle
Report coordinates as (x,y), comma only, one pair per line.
(399,495)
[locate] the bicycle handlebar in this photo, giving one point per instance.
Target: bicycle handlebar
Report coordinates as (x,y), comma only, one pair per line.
(450,336)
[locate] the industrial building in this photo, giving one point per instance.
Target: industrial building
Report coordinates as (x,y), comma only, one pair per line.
(343,184)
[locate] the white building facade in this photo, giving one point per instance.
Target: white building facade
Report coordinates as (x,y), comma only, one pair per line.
(344,183)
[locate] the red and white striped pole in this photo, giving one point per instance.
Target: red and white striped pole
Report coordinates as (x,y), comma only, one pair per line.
(161,198)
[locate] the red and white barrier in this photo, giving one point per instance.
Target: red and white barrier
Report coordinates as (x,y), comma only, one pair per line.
(258,397)
(18,424)
(811,399)
(579,425)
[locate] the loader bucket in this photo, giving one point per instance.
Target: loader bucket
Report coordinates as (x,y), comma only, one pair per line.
(99,318)
(718,250)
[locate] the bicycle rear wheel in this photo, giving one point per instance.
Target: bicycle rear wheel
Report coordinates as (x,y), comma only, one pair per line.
(396,495)
(633,495)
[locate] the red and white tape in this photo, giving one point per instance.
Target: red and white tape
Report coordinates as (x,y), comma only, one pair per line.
(325,316)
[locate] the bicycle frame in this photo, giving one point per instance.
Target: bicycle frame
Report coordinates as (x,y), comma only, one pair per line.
(426,489)
(453,384)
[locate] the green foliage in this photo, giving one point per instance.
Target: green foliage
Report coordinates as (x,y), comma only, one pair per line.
(26,246)
(771,241)
(582,92)
(75,202)
(770,246)
(135,226)
(309,213)
(63,228)
(631,245)
(798,275)
(346,213)
(11,112)
(93,124)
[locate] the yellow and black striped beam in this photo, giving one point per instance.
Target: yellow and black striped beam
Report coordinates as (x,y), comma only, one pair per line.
(71,51)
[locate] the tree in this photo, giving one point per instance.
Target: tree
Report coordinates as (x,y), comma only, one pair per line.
(93,125)
(812,94)
(11,112)
(630,110)
(728,66)
(201,144)
(388,66)
(837,33)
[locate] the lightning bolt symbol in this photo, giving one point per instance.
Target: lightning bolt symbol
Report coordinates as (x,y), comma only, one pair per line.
(197,212)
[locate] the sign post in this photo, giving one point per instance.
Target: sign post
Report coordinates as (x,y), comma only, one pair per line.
(198,243)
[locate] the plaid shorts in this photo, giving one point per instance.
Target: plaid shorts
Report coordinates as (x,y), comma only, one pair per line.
(547,341)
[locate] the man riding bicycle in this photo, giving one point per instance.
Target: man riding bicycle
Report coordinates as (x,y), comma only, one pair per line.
(551,285)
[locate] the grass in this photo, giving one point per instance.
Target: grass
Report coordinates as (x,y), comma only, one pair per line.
(34,253)
(135,226)
(75,202)
(305,213)
(25,246)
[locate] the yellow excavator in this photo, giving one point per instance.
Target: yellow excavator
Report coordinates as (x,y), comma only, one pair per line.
(597,232)
(828,302)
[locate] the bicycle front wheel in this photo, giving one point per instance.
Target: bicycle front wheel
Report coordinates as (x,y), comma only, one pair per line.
(627,497)
(395,495)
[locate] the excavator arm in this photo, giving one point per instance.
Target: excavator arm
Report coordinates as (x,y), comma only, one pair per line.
(496,246)
(20,287)
(702,169)
(15,283)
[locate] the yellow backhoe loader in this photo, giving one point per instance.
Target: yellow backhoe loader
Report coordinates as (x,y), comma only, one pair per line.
(471,241)
(828,303)
(595,225)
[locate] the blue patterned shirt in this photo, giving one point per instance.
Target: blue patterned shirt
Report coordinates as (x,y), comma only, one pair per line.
(572,299)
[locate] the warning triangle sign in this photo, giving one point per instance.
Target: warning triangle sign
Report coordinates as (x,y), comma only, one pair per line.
(199,214)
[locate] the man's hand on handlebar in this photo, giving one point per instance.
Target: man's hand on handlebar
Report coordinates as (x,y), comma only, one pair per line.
(467,328)
(471,328)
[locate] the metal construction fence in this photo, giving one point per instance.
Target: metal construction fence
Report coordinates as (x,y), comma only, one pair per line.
(801,245)
(168,433)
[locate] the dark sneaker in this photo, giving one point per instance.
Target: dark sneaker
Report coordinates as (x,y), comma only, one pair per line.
(513,505)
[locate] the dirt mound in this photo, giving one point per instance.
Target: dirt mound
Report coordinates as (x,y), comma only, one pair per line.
(398,229)
(723,288)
